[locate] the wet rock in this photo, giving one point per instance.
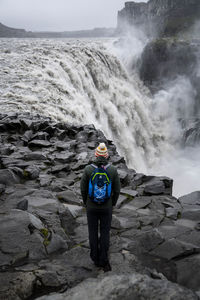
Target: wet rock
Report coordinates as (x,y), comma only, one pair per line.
(65,157)
(190,199)
(47,235)
(27,136)
(16,239)
(12,283)
(7,177)
(32,172)
(185,275)
(124,179)
(60,168)
(23,205)
(81,164)
(35,156)
(121,200)
(129,193)
(68,196)
(2,188)
(174,248)
(138,179)
(92,145)
(154,188)
(134,286)
(41,136)
(39,144)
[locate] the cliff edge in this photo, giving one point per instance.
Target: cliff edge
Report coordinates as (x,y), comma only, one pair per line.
(160,17)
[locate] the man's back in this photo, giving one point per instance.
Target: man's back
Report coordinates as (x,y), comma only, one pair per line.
(112,171)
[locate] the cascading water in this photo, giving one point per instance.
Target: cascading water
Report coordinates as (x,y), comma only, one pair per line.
(82,82)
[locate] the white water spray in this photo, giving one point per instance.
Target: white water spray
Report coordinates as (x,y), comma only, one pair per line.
(82,82)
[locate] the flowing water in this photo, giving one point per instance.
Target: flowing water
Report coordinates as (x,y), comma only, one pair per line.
(87,82)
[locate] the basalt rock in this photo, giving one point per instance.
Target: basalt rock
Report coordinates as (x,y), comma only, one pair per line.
(160,17)
(166,63)
(162,60)
(44,245)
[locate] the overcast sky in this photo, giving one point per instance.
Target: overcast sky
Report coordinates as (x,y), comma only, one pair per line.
(60,15)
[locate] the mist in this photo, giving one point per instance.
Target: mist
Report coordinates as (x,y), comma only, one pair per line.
(174,102)
(62,15)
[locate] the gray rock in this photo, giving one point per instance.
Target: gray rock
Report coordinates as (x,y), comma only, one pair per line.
(32,172)
(56,243)
(7,177)
(45,180)
(154,188)
(191,213)
(68,196)
(23,205)
(81,164)
(130,193)
(60,168)
(65,157)
(16,239)
(138,179)
(121,200)
(12,283)
(123,175)
(35,156)
(138,203)
(190,199)
(44,237)
(135,286)
(172,231)
(2,188)
(186,268)
(174,248)
(39,144)
(27,136)
(41,136)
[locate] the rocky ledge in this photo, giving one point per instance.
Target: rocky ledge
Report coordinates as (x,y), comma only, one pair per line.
(44,252)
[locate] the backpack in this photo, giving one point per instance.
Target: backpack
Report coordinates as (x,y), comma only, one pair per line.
(100,185)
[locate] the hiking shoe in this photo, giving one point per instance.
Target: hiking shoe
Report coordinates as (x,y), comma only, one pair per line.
(107,267)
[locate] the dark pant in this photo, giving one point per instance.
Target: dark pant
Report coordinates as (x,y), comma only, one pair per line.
(99,246)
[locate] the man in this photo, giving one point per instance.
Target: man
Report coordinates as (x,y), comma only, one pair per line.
(100,214)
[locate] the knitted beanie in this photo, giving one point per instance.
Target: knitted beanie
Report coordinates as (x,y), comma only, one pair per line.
(101,150)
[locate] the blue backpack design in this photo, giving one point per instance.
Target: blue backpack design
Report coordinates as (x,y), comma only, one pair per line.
(100,185)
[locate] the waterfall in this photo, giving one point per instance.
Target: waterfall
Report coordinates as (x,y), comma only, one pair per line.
(83,82)
(79,82)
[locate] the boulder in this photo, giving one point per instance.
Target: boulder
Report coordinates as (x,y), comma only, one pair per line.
(135,286)
(166,56)
(12,283)
(65,157)
(190,199)
(7,177)
(69,197)
(39,144)
(17,242)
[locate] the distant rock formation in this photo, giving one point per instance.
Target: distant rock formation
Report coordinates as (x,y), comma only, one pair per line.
(21,33)
(13,32)
(160,17)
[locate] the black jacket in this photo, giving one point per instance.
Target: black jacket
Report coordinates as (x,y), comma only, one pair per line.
(112,171)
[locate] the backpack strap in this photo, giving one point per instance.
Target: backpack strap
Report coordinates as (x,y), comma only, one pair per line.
(106,167)
(94,166)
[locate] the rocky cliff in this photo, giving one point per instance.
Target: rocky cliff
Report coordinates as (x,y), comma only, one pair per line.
(154,247)
(9,32)
(6,31)
(160,17)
